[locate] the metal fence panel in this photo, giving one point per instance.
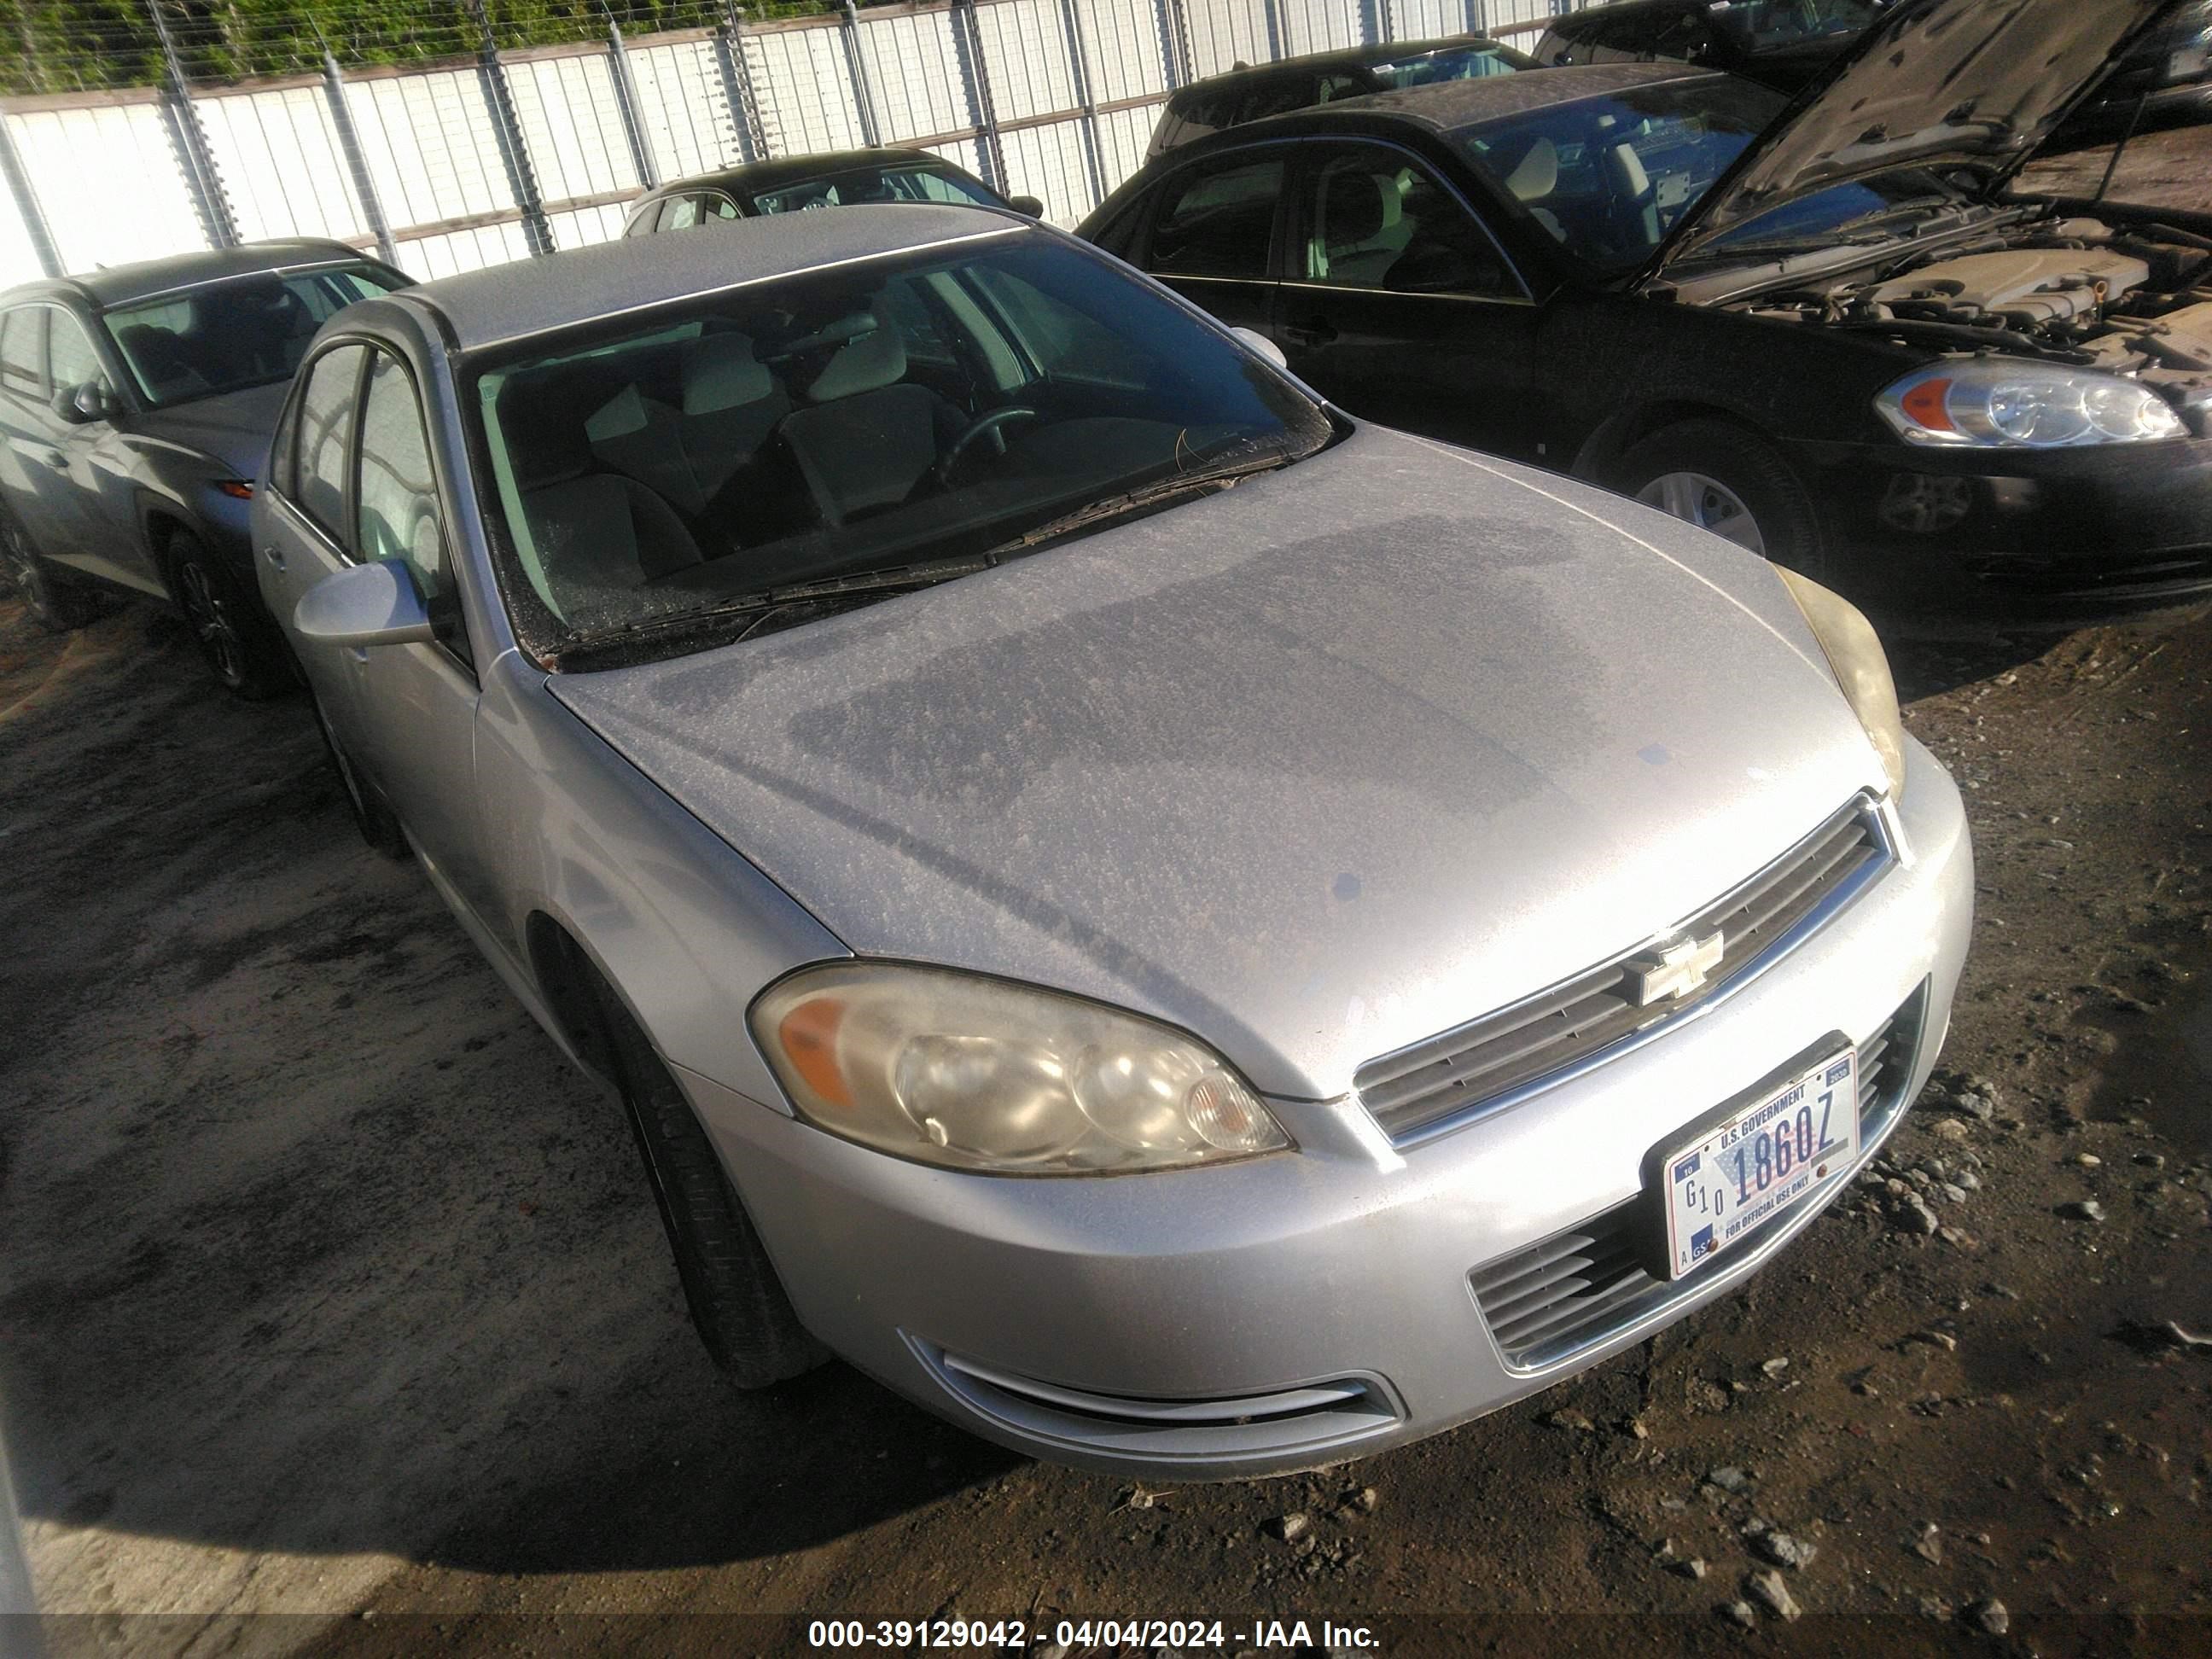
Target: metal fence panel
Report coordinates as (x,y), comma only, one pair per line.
(107,178)
(278,152)
(572,125)
(432,155)
(805,89)
(686,120)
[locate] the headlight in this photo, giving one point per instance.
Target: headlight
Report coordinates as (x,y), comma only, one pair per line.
(975,1073)
(1860,668)
(1993,403)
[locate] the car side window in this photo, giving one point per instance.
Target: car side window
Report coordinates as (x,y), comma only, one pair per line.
(1373,219)
(326,416)
(397,515)
(72,360)
(719,207)
(1218,220)
(22,352)
(679,213)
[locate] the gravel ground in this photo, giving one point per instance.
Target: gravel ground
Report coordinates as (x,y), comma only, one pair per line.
(327,1289)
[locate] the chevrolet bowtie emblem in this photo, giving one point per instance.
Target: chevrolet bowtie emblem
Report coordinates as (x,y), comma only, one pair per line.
(1681,968)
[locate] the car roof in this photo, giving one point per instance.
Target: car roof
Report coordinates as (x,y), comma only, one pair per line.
(1380,52)
(146,279)
(794,169)
(505,302)
(1448,105)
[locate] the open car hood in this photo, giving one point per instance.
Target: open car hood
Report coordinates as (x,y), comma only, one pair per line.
(1976,84)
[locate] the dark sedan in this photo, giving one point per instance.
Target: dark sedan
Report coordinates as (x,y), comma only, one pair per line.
(136,409)
(1836,338)
(805,183)
(1246,93)
(1781,43)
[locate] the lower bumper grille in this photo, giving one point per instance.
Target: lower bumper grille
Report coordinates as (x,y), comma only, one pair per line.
(1438,1084)
(1578,1288)
(1316,1417)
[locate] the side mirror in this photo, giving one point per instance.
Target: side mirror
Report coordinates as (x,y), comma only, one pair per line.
(1029,206)
(90,402)
(364,604)
(1261,343)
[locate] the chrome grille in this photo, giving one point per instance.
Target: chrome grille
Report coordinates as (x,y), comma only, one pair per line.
(1435,1083)
(1576,1289)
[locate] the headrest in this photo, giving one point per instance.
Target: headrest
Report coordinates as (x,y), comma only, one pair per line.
(720,372)
(1537,173)
(1354,209)
(541,420)
(866,362)
(1627,169)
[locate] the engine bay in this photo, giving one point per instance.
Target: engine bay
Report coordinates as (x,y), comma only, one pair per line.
(2135,301)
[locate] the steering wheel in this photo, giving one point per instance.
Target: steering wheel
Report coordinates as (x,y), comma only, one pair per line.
(990,421)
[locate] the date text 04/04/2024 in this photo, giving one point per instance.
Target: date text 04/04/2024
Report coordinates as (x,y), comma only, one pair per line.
(1017,1633)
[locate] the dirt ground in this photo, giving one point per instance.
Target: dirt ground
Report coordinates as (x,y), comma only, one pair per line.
(328,1291)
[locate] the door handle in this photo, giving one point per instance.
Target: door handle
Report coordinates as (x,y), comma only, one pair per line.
(275,555)
(1315,332)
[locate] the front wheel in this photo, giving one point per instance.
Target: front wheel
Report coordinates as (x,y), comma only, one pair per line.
(241,646)
(737,1303)
(55,605)
(1731,483)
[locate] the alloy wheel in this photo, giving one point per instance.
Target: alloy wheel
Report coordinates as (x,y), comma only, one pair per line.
(210,616)
(1707,502)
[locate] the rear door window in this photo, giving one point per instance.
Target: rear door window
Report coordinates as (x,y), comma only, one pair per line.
(398,515)
(1218,220)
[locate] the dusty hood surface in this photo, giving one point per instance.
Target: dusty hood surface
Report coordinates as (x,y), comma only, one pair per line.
(1315,768)
(1944,83)
(234,427)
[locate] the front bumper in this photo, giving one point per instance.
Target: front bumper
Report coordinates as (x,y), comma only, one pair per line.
(1301,1309)
(2060,538)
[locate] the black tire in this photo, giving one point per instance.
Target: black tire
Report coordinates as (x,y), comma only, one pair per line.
(56,604)
(737,1303)
(1742,464)
(379,825)
(242,647)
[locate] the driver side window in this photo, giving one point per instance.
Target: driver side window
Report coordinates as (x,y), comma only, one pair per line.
(72,361)
(1375,219)
(397,514)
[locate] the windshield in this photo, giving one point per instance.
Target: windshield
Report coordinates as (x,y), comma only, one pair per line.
(866,419)
(1609,177)
(244,331)
(916,183)
(1452,63)
(1764,25)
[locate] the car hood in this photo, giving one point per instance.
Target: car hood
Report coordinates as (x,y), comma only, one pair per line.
(231,427)
(1314,768)
(1977,84)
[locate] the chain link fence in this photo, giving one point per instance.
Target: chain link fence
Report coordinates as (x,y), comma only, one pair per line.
(448,137)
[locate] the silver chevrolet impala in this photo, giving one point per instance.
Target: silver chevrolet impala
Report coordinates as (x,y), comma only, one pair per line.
(1189,933)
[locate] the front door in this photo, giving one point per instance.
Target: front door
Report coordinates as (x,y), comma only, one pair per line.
(100,474)
(415,705)
(1401,307)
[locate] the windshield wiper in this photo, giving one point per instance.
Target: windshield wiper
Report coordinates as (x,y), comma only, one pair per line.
(1098,514)
(754,608)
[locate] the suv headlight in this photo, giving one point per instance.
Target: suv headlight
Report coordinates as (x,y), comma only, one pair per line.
(975,1073)
(1860,666)
(1995,402)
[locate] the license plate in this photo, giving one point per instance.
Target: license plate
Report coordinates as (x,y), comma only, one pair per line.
(1774,1154)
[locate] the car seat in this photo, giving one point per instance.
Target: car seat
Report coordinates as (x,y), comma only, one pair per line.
(869,438)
